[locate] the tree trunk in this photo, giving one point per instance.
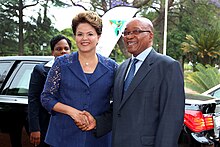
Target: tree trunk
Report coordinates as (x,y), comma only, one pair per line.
(21,26)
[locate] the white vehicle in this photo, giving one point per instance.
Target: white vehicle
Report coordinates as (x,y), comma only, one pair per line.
(214,91)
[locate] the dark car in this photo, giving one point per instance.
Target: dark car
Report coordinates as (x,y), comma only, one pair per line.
(201,122)
(15,73)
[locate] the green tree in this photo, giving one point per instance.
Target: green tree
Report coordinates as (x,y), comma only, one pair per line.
(184,17)
(15,9)
(187,18)
(158,7)
(203,79)
(37,36)
(8,37)
(204,47)
(68,33)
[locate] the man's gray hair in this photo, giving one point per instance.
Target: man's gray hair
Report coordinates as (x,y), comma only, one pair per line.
(143,19)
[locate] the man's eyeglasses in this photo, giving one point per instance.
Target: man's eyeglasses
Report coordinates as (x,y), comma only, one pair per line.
(135,32)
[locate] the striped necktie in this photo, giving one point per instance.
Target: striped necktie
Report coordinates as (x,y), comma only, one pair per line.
(130,74)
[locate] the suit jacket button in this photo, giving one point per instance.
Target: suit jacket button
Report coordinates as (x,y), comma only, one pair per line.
(119,115)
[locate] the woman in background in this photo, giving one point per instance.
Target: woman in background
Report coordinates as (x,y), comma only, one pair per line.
(38,117)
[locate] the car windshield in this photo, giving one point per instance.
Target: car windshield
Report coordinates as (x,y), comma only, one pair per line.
(216,93)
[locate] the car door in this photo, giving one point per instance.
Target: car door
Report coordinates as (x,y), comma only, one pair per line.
(14,93)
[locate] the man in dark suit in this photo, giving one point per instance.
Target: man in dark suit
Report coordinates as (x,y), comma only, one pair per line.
(149,110)
(38,117)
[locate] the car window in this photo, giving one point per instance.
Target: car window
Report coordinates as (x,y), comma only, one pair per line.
(19,82)
(4,69)
(216,93)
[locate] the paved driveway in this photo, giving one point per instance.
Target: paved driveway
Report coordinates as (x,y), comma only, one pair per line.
(5,140)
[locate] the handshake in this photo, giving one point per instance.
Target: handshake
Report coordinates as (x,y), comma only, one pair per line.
(84,120)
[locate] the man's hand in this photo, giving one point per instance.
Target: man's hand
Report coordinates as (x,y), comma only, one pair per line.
(80,119)
(85,121)
(91,119)
(35,138)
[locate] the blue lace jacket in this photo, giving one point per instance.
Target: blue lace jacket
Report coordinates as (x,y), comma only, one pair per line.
(67,83)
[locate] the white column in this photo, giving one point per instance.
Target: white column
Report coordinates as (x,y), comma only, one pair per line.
(165,28)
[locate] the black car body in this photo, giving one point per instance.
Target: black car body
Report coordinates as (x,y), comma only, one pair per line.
(201,121)
(15,72)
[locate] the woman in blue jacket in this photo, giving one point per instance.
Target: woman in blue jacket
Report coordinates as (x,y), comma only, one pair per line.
(80,81)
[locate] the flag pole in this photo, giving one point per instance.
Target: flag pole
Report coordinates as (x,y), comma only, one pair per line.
(165,28)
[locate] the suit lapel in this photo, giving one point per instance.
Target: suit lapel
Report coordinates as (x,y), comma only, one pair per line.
(76,68)
(121,76)
(139,76)
(100,70)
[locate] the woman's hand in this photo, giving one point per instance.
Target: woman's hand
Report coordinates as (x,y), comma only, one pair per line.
(80,119)
(91,119)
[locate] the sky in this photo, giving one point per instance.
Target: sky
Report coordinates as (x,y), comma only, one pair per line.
(60,17)
(63,16)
